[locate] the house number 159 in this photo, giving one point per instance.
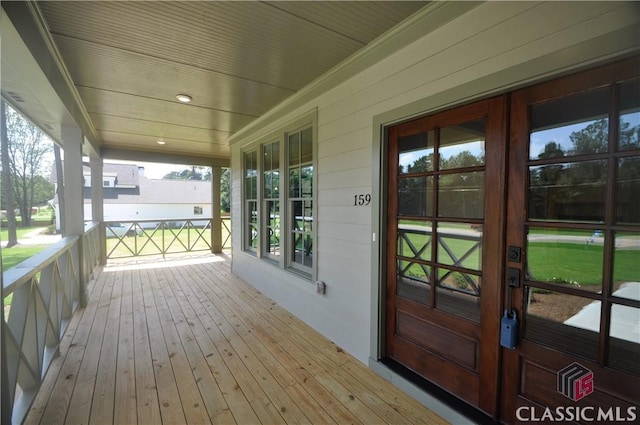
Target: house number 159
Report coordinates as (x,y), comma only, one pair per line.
(362,199)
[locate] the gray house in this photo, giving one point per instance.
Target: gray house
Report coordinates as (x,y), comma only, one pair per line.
(129,195)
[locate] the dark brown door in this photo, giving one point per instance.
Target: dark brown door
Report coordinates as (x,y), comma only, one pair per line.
(445,246)
(574,211)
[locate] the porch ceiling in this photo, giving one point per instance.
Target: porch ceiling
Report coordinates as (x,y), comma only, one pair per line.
(128,60)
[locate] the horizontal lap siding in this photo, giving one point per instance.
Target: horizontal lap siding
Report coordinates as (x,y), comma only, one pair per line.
(490,38)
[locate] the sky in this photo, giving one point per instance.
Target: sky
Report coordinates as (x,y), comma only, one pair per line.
(152,170)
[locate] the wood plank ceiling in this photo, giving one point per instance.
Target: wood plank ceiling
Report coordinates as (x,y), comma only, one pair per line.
(237,60)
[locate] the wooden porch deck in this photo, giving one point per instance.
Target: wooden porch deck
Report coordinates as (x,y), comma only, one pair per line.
(186,342)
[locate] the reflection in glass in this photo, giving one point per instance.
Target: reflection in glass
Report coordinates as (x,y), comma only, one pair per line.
(573,125)
(306,145)
(306,181)
(565,322)
(628,189)
(415,153)
(308,216)
(273,227)
(414,196)
(460,245)
(461,195)
(294,183)
(458,293)
(271,170)
(573,191)
(414,281)
(624,348)
(566,257)
(414,240)
(252,228)
(626,265)
(629,132)
(462,145)
(294,149)
(251,175)
(302,226)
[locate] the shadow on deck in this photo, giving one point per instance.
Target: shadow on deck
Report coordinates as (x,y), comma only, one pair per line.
(185,341)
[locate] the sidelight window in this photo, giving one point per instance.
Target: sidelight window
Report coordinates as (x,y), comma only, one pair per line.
(582,289)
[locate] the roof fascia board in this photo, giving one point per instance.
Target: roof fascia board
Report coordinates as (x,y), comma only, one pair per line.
(30,24)
(168,158)
(421,23)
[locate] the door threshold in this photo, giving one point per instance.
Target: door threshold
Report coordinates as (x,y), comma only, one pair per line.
(442,402)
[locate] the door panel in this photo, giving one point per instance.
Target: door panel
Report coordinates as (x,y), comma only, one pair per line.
(574,158)
(443,285)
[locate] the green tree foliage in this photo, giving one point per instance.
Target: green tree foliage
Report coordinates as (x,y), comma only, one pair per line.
(28,149)
(557,185)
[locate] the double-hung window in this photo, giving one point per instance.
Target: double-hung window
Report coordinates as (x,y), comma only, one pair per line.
(251,235)
(300,200)
(278,198)
(271,199)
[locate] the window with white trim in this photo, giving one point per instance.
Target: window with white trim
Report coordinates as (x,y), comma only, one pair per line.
(300,199)
(251,235)
(271,199)
(278,208)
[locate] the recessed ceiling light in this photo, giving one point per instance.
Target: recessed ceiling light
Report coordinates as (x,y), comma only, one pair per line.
(184,98)
(161,142)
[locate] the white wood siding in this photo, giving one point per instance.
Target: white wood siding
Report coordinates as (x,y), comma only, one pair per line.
(492,48)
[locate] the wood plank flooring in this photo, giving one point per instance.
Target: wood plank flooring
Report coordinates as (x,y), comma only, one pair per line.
(186,342)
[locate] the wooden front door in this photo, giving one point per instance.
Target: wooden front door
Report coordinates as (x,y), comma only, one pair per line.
(445,248)
(574,216)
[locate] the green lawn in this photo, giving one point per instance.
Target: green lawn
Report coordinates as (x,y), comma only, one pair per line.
(557,262)
(17,254)
(21,232)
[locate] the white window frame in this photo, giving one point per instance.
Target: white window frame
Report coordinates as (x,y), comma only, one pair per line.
(283,261)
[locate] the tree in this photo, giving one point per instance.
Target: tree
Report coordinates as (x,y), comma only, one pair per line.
(7,186)
(28,148)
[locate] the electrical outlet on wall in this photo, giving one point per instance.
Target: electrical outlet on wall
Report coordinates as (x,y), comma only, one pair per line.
(321,287)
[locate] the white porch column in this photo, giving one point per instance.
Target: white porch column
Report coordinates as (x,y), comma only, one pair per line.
(216,220)
(73,181)
(97,201)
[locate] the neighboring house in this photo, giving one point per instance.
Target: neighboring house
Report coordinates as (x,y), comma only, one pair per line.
(129,195)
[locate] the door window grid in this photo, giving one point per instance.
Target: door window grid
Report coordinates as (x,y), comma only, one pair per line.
(581,212)
(441,188)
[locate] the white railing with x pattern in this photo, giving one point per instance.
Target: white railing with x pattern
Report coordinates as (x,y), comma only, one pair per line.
(134,238)
(40,296)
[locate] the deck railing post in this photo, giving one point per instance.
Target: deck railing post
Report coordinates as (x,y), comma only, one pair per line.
(216,219)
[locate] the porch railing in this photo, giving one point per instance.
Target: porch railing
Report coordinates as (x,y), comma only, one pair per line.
(135,238)
(39,298)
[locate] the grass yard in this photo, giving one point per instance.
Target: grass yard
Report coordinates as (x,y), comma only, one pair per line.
(17,254)
(557,262)
(20,231)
